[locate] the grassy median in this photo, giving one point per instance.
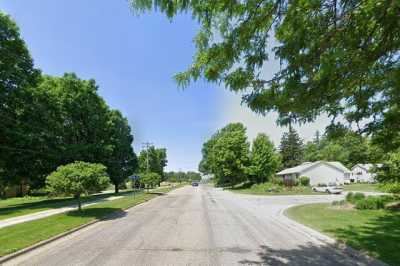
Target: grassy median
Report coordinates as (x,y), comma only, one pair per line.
(14,238)
(376,232)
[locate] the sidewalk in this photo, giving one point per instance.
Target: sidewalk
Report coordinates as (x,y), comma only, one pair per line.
(43,214)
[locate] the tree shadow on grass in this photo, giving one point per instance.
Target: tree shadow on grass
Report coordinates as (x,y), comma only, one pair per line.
(56,203)
(310,254)
(379,236)
(99,213)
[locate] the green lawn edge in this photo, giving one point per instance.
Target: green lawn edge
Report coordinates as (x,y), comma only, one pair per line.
(17,237)
(375,232)
(15,207)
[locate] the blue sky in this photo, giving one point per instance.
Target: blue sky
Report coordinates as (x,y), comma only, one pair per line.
(133,60)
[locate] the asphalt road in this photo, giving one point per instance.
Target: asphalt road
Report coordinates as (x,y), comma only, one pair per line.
(198,226)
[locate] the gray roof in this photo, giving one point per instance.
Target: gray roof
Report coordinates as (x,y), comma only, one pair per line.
(304,166)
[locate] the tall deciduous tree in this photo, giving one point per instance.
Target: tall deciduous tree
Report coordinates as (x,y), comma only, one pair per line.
(228,154)
(264,160)
(153,160)
(122,160)
(337,57)
(291,148)
(17,78)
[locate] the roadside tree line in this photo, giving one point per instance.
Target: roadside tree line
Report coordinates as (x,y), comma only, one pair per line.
(49,121)
(228,157)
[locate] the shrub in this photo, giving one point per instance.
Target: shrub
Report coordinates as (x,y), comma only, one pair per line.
(76,179)
(304,180)
(391,187)
(338,203)
(354,197)
(370,203)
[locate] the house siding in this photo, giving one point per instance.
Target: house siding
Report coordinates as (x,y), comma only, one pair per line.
(323,173)
(359,174)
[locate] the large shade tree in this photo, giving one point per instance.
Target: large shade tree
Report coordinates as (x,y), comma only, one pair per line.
(226,154)
(122,161)
(336,57)
(18,77)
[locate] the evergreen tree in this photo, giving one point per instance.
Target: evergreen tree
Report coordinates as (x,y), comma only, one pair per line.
(291,148)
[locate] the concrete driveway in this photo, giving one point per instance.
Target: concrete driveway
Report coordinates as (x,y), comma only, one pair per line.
(199,226)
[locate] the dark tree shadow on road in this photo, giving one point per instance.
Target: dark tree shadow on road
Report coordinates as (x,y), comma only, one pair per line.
(99,213)
(305,255)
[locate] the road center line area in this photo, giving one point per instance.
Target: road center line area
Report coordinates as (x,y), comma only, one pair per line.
(198,226)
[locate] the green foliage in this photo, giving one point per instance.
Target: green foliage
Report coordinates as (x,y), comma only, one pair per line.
(16,68)
(291,148)
(370,203)
(354,197)
(337,57)
(226,154)
(304,180)
(345,146)
(390,171)
(338,202)
(76,179)
(122,161)
(264,160)
(150,179)
(17,78)
(391,187)
(182,176)
(153,160)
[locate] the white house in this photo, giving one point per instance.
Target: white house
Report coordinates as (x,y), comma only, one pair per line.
(320,172)
(362,173)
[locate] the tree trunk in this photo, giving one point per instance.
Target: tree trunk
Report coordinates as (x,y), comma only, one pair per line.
(116,188)
(78,198)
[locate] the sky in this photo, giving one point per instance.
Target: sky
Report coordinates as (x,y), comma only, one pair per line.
(133,60)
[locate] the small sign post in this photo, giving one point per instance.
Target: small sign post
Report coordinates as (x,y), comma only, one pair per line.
(134,178)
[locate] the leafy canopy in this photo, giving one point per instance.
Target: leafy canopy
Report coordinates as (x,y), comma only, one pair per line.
(337,57)
(226,154)
(78,178)
(264,160)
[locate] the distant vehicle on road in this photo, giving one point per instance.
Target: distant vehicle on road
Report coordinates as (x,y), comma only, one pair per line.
(331,188)
(195,184)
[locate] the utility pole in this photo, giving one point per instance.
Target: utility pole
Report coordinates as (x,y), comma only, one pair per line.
(146,146)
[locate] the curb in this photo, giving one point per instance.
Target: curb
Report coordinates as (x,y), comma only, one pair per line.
(18,253)
(44,242)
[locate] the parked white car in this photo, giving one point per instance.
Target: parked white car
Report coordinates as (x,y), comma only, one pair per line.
(330,188)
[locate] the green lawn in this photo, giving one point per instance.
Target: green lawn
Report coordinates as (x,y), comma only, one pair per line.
(22,235)
(374,231)
(13,207)
(262,189)
(362,187)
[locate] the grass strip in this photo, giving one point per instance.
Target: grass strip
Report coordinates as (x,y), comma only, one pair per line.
(376,232)
(14,207)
